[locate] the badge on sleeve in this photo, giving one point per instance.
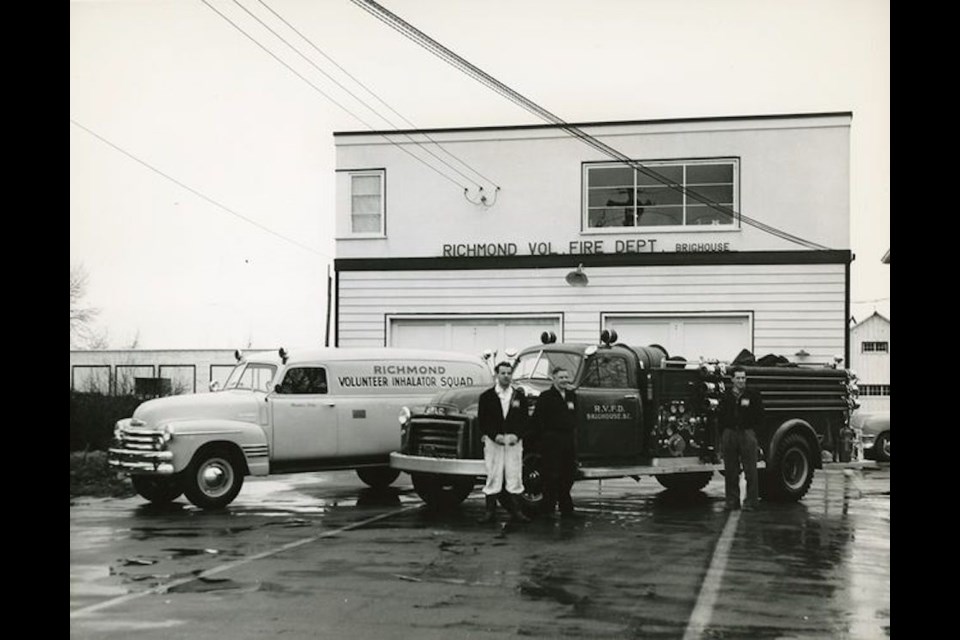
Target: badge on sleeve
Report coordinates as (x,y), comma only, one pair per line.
(744,402)
(570,405)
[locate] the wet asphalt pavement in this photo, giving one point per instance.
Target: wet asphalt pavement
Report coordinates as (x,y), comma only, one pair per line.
(321,556)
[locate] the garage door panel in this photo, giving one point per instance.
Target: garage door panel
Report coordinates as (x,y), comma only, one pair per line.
(470,335)
(720,337)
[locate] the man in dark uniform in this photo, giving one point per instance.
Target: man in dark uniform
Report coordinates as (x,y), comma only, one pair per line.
(555,421)
(503,413)
(740,416)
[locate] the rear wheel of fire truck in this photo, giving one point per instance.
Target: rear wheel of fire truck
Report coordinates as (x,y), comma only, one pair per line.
(791,471)
(442,491)
(157,489)
(213,478)
(685,482)
(881,448)
(532,496)
(378,477)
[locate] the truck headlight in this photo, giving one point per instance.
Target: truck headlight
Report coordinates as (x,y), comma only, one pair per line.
(404,416)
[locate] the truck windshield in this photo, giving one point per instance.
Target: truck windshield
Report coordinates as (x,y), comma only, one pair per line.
(538,365)
(251,375)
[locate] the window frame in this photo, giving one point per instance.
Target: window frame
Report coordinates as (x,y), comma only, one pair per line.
(278,388)
(381,174)
(873,346)
(736,225)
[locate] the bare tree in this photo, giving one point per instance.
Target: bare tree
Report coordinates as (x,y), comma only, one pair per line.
(83,333)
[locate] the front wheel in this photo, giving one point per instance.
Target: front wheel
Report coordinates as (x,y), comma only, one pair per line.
(157,489)
(532,496)
(685,482)
(378,477)
(213,479)
(440,491)
(881,448)
(791,471)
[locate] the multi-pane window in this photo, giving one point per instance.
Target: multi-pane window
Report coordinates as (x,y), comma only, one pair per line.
(874,389)
(366,203)
(876,347)
(668,194)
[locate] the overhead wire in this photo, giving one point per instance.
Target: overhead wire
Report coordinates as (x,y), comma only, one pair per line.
(372,93)
(447,55)
(351,93)
(197,192)
(328,97)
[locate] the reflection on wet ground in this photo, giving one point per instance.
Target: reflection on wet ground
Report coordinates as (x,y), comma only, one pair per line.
(633,567)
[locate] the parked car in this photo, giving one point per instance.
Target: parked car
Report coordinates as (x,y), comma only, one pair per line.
(875,426)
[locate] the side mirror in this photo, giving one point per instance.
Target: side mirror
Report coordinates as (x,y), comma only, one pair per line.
(276,388)
(214,385)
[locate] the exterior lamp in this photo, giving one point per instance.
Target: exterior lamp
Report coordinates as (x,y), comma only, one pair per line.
(577,278)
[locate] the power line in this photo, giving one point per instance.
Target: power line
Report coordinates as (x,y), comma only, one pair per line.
(196,192)
(371,92)
(328,97)
(447,55)
(348,91)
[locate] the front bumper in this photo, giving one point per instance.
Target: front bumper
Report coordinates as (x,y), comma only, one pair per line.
(446,466)
(158,462)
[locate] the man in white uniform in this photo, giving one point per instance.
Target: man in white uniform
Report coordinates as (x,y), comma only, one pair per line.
(502,415)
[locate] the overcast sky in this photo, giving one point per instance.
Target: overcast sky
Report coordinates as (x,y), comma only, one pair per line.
(237,253)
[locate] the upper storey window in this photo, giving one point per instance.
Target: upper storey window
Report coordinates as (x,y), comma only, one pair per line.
(366,203)
(617,196)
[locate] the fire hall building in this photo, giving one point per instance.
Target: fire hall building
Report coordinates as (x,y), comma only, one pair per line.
(564,238)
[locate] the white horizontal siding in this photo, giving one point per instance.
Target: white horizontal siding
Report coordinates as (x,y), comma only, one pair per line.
(794,307)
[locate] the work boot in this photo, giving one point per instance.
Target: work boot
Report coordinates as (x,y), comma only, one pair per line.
(491,510)
(516,509)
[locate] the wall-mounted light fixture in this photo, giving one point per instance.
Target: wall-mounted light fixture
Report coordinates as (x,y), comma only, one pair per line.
(801,354)
(577,278)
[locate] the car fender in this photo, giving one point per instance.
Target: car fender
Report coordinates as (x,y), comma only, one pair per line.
(246,437)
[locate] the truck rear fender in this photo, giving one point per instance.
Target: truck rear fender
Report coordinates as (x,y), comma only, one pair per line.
(246,439)
(796,425)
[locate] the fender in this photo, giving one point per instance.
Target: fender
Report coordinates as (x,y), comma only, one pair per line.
(190,435)
(796,424)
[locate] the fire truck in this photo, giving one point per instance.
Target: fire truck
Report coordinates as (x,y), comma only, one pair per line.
(643,413)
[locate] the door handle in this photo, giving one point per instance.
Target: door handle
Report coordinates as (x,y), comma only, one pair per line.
(330,404)
(631,396)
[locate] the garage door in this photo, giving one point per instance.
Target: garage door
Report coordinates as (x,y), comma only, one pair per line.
(469,334)
(720,337)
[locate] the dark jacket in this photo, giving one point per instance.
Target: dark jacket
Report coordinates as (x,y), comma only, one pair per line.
(553,416)
(490,414)
(745,413)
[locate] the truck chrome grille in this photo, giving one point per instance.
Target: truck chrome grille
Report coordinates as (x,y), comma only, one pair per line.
(438,438)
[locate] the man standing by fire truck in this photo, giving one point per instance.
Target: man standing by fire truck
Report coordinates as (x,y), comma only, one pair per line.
(502,413)
(741,414)
(555,420)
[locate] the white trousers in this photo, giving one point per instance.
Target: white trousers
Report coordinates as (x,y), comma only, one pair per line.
(503,461)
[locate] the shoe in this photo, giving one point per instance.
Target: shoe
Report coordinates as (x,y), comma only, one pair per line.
(491,511)
(516,510)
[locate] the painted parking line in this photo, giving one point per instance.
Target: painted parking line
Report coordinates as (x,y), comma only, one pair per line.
(163,588)
(710,588)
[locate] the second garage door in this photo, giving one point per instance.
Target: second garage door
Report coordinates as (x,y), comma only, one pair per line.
(714,336)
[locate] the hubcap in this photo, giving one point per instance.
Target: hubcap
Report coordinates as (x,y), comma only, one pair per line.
(215,477)
(794,469)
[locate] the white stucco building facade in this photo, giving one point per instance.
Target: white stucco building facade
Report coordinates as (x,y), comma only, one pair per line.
(419,263)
